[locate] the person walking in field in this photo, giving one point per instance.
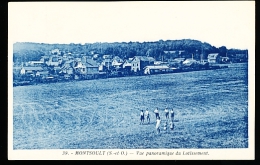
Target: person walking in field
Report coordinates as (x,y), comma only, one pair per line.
(165,126)
(158,121)
(147,116)
(172,114)
(166,113)
(142,117)
(171,125)
(156,111)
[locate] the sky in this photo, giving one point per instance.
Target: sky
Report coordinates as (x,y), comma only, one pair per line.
(230,23)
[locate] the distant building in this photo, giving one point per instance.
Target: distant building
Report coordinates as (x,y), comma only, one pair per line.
(107,63)
(117,62)
(224,59)
(139,62)
(36,63)
(30,70)
(42,73)
(91,67)
(190,62)
(54,60)
(127,63)
(213,58)
(67,67)
(156,69)
(55,52)
(177,62)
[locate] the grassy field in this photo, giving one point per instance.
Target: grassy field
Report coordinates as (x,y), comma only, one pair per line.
(211,112)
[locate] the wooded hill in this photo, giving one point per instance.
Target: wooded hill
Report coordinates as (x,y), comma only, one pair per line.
(28,51)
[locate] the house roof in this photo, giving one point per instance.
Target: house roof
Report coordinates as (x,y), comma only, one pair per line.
(189,61)
(91,63)
(33,68)
(79,64)
(179,59)
(128,60)
(213,55)
(158,67)
(42,72)
(118,64)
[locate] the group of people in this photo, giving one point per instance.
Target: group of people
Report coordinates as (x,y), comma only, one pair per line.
(169,117)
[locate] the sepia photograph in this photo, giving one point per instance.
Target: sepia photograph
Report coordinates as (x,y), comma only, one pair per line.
(131,80)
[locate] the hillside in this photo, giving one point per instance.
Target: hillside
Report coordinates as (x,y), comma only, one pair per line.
(26,51)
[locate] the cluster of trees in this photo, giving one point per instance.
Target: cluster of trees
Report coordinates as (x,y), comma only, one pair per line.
(26,51)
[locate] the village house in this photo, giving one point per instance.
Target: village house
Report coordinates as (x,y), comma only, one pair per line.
(80,67)
(156,69)
(224,59)
(127,63)
(91,66)
(36,63)
(95,56)
(30,70)
(54,60)
(55,52)
(213,58)
(139,62)
(107,63)
(177,62)
(190,62)
(67,67)
(117,62)
(42,73)
(86,68)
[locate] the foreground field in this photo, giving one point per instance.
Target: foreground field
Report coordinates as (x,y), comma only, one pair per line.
(211,112)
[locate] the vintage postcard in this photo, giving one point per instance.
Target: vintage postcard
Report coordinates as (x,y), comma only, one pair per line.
(131,80)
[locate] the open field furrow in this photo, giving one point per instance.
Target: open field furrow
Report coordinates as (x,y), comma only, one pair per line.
(25,121)
(38,123)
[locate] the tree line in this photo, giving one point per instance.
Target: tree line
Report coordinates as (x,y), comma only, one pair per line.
(28,51)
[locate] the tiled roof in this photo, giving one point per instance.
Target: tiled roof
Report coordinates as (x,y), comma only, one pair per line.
(158,67)
(33,68)
(91,63)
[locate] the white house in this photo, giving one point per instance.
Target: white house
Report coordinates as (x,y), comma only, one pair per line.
(157,69)
(213,58)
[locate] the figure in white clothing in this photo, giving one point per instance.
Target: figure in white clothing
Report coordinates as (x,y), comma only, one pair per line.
(171,125)
(158,121)
(147,116)
(156,111)
(165,126)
